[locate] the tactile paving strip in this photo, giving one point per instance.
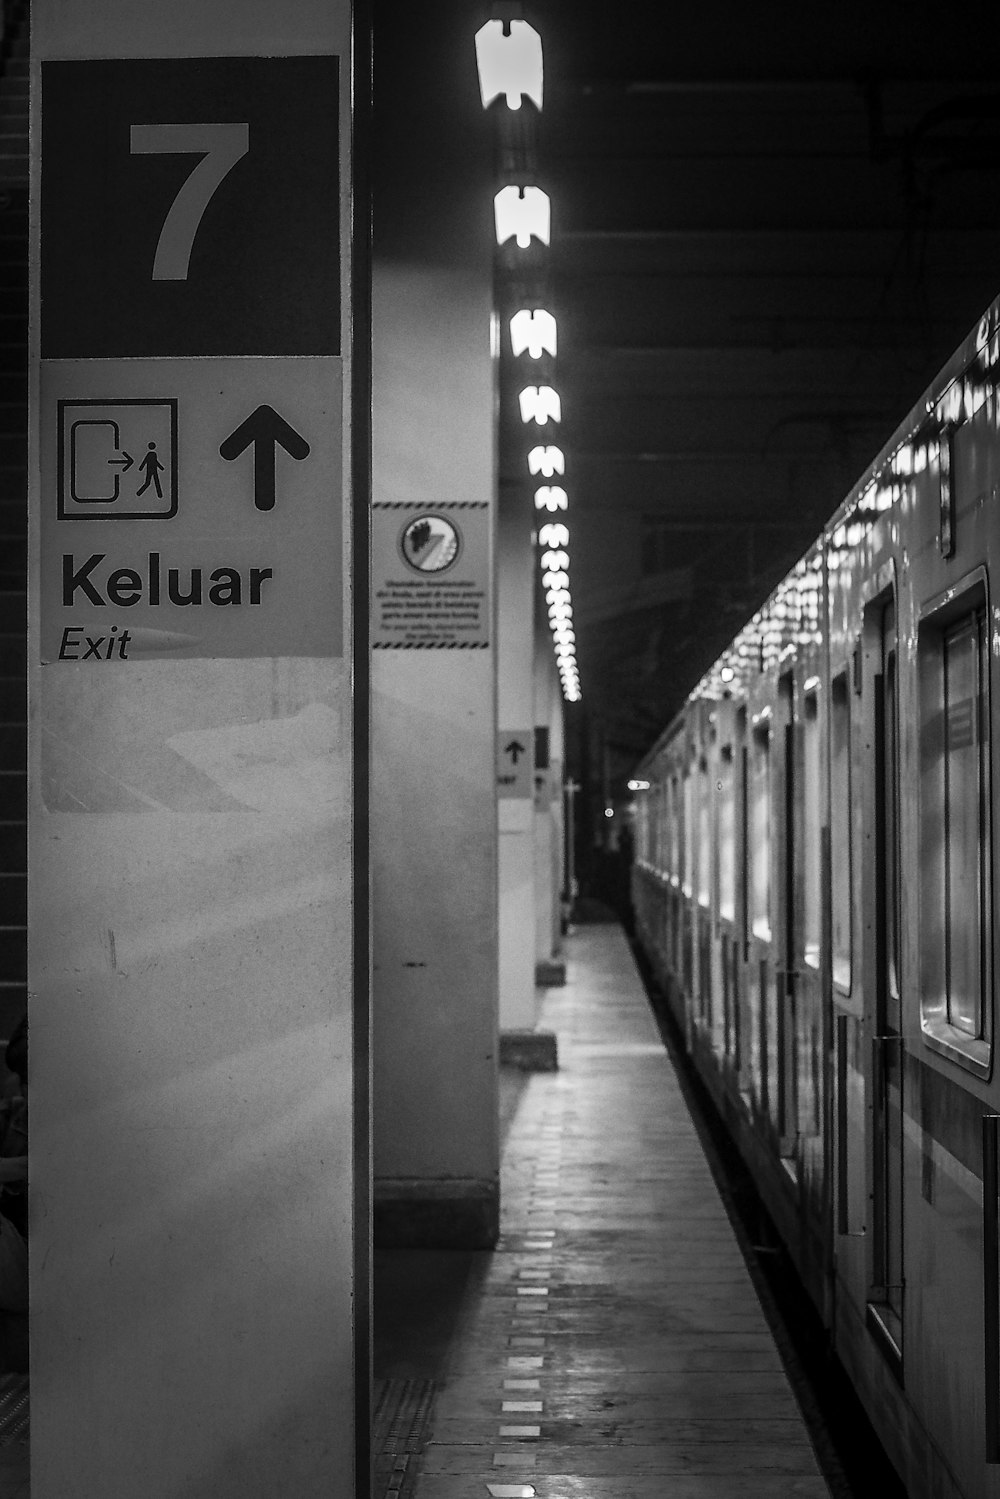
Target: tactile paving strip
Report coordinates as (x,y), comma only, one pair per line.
(400,1422)
(14,1409)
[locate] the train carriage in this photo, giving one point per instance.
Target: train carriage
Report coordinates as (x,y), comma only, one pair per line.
(814,887)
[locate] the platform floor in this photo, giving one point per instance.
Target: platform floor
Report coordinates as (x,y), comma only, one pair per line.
(613,1347)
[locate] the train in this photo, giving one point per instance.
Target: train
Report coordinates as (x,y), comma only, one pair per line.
(814,889)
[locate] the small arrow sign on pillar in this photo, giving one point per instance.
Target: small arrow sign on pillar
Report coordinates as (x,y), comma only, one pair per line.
(515,749)
(264,429)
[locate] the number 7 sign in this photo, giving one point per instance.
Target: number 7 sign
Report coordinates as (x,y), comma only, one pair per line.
(190,207)
(219,148)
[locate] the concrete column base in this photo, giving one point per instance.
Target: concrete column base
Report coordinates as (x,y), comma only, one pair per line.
(532,1051)
(550,973)
(411,1213)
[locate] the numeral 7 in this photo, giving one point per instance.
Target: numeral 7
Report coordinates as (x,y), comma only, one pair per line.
(221,147)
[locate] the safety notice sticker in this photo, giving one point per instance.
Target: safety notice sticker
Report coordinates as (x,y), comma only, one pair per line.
(430,574)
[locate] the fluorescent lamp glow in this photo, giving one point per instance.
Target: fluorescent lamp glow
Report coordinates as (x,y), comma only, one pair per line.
(522,213)
(534,332)
(509,65)
(557,596)
(555,559)
(550,497)
(554,534)
(547,461)
(539,403)
(555,580)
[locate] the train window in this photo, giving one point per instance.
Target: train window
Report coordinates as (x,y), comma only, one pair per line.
(840,831)
(812,802)
(955,851)
(688,850)
(676,832)
(704,836)
(760,835)
(726,811)
(645,810)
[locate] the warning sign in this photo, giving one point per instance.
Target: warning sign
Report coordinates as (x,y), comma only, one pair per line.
(430,572)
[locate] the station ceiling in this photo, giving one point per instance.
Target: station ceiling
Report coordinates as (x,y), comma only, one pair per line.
(771,225)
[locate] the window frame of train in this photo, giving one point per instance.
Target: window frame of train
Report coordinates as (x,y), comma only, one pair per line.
(761,828)
(786,837)
(759,880)
(956,618)
(841,835)
(704,879)
(676,815)
(726,891)
(812,845)
(882,978)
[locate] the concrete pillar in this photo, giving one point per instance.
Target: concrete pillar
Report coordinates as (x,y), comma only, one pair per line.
(434,840)
(515,723)
(548,812)
(196,1140)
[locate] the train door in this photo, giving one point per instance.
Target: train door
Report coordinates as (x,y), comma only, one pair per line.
(885,1310)
(786,1058)
(759,1052)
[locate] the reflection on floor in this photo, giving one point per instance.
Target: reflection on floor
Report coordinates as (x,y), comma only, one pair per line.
(613,1346)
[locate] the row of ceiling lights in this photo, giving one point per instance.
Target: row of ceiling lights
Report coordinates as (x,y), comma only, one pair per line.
(509,58)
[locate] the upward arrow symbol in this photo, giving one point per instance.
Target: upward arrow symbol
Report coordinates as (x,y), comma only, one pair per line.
(264,429)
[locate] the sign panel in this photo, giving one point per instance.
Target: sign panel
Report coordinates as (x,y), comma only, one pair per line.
(515,763)
(190,206)
(430,576)
(182,514)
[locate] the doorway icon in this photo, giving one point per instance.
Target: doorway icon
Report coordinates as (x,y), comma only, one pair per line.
(117,460)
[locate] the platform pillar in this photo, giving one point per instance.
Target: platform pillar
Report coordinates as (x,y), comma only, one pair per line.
(548,812)
(198,940)
(436,1152)
(515,801)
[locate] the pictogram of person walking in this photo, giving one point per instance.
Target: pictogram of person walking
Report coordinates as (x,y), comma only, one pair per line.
(152,468)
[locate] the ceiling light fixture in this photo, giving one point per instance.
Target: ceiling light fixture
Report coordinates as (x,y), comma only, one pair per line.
(534,332)
(546,461)
(522,213)
(510,65)
(540,404)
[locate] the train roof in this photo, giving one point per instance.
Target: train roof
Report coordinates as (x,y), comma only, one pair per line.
(950,398)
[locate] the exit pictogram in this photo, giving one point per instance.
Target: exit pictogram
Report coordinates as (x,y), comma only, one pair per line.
(514,760)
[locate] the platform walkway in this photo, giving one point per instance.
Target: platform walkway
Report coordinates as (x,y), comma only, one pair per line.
(613,1347)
